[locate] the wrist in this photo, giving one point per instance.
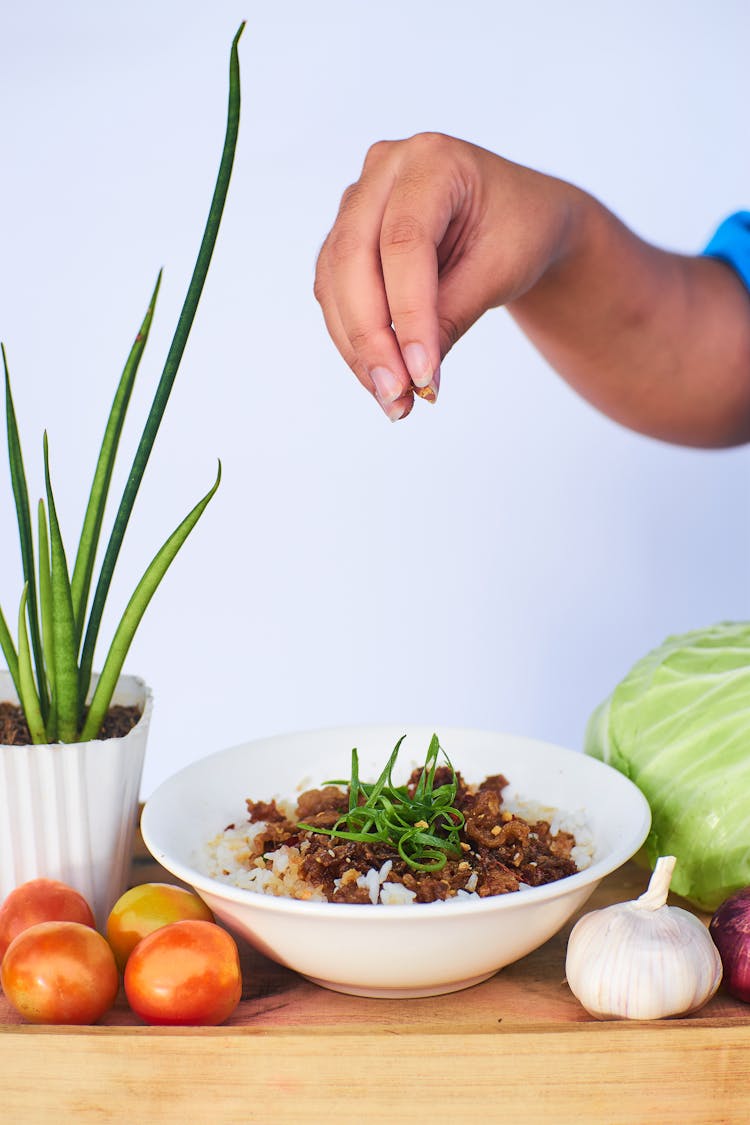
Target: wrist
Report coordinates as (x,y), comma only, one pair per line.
(572,231)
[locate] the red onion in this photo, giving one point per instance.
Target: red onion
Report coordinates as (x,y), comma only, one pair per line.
(730,930)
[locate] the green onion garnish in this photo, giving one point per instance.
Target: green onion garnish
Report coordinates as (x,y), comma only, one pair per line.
(424,828)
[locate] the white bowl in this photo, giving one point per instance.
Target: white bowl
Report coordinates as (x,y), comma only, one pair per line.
(405,950)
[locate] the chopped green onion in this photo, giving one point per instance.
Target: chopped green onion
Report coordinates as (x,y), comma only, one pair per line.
(423,827)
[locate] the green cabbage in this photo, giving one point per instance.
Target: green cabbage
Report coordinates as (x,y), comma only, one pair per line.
(678,726)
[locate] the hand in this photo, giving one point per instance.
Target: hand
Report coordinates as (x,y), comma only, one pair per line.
(435,232)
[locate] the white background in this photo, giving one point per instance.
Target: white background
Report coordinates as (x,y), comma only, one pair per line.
(497,561)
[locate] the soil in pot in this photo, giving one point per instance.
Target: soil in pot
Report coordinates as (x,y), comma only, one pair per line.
(14,731)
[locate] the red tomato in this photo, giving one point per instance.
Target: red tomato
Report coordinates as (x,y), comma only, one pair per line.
(146,908)
(60,972)
(41,900)
(185,973)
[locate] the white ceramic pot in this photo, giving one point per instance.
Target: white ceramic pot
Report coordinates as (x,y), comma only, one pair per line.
(68,811)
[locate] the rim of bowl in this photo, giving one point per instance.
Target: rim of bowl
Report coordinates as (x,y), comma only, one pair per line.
(594,873)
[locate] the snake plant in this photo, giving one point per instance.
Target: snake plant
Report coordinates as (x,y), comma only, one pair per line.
(51,663)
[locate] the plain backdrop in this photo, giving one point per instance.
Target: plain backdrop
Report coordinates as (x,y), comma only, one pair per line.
(497,561)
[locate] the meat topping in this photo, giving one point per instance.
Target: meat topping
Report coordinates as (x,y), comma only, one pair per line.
(498,851)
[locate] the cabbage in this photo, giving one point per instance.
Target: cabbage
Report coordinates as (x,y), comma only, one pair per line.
(678,726)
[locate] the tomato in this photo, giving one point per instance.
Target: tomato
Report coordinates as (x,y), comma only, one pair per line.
(185,973)
(146,908)
(60,972)
(41,900)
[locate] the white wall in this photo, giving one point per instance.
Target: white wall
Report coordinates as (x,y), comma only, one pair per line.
(497,561)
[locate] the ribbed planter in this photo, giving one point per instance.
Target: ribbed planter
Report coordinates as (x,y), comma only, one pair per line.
(68,811)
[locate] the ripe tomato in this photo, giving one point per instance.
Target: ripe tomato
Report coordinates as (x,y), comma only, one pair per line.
(185,973)
(146,908)
(41,900)
(60,972)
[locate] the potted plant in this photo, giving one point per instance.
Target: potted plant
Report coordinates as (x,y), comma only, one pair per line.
(74,742)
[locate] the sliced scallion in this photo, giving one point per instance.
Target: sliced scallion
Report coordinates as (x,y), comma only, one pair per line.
(422,826)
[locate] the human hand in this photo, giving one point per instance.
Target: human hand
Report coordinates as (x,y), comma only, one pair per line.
(435,232)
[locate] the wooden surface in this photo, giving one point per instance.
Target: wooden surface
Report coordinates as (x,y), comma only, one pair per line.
(517,1047)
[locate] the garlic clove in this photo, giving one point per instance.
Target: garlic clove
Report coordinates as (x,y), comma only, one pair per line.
(642,959)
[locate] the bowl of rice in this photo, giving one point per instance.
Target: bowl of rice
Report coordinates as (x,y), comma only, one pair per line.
(261,836)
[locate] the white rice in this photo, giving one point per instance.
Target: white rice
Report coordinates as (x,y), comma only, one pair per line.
(226,858)
(559,821)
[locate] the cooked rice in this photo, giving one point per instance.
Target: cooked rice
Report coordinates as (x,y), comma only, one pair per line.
(227,858)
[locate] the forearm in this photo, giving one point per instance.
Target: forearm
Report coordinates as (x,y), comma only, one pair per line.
(658,341)
(437,231)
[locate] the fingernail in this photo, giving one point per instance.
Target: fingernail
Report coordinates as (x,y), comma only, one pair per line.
(430,393)
(387,387)
(418,364)
(396,410)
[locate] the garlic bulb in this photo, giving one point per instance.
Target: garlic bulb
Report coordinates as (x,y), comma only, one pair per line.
(642,960)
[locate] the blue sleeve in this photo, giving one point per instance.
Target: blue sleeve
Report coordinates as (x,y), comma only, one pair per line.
(731,244)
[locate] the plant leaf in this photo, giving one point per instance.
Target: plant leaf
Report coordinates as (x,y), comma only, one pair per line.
(27,688)
(63,624)
(45,604)
(45,597)
(9,651)
(134,611)
(169,372)
(80,582)
(21,497)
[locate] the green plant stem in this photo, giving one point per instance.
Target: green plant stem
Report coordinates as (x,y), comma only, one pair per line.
(63,624)
(46,608)
(27,689)
(9,651)
(80,582)
(168,374)
(45,597)
(21,497)
(134,611)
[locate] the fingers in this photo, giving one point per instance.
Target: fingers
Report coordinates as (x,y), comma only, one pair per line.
(349,286)
(394,396)
(377,275)
(423,202)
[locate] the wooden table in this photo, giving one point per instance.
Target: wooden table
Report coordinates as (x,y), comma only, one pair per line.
(517,1048)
